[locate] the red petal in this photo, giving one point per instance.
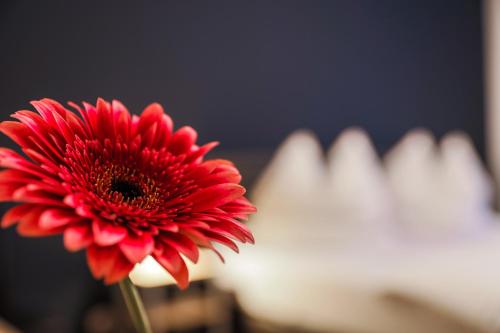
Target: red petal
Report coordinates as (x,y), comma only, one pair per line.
(90,114)
(136,248)
(221,178)
(64,129)
(53,218)
(104,120)
(15,214)
(72,200)
(175,265)
(202,151)
(231,231)
(85,123)
(101,259)
(200,239)
(121,120)
(42,160)
(17,131)
(78,236)
(182,140)
(10,176)
(29,224)
(239,206)
(182,244)
(77,125)
(42,134)
(107,233)
(164,132)
(7,191)
(231,225)
(169,226)
(25,194)
(149,136)
(46,110)
(11,159)
(215,196)
(120,270)
(153,114)
(221,239)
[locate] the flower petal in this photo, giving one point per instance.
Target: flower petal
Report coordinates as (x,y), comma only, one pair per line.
(174,264)
(136,248)
(232,231)
(152,114)
(215,196)
(181,244)
(120,270)
(182,140)
(29,224)
(11,159)
(7,191)
(54,217)
(104,120)
(101,259)
(201,240)
(121,120)
(78,236)
(17,131)
(15,214)
(26,194)
(107,233)
(73,200)
(201,151)
(221,239)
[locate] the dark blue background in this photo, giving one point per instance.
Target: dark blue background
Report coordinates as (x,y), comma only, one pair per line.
(249,72)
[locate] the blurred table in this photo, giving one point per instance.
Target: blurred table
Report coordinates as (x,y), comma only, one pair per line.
(6,327)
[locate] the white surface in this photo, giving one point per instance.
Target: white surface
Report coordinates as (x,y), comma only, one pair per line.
(149,273)
(332,245)
(491,30)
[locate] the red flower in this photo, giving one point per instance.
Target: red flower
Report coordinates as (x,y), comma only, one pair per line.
(120,186)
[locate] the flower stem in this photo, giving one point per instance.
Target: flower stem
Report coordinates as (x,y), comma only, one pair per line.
(135,306)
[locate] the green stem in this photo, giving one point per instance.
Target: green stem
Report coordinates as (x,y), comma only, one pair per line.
(135,306)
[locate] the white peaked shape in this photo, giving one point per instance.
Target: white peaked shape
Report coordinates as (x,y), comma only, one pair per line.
(440,193)
(288,193)
(318,262)
(466,188)
(412,170)
(297,256)
(360,204)
(295,173)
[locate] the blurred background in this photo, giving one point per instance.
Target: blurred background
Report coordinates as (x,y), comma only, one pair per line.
(380,228)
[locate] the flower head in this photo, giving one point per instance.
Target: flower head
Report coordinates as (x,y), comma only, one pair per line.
(120,186)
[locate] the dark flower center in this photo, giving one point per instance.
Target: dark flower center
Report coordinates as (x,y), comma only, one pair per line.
(128,189)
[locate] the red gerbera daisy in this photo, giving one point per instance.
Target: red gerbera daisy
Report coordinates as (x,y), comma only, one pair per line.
(122,187)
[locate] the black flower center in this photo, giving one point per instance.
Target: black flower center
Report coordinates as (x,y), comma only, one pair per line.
(128,189)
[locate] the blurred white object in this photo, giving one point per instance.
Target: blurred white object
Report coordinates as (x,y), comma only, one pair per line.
(287,277)
(359,208)
(149,273)
(294,177)
(466,187)
(347,245)
(459,280)
(412,172)
(290,193)
(441,192)
(491,41)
